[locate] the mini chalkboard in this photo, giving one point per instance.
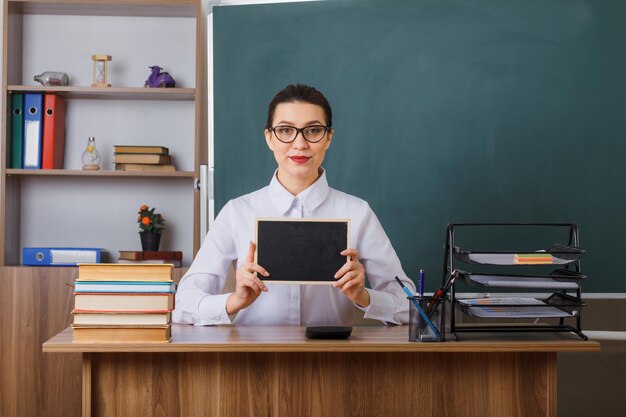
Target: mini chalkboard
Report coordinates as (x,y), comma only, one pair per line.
(301,250)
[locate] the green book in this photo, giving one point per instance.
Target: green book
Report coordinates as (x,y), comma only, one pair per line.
(17,130)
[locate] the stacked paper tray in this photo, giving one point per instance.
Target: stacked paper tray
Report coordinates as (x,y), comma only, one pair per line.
(556,255)
(559,279)
(557,305)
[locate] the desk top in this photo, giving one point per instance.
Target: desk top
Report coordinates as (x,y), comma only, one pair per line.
(186,338)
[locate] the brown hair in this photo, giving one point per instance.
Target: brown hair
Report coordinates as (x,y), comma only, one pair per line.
(299,92)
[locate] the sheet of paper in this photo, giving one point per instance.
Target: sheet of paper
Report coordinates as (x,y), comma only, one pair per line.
(522,282)
(507,259)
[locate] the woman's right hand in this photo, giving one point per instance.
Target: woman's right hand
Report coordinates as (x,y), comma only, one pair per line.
(249,286)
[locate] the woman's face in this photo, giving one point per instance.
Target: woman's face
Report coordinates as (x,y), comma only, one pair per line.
(298,161)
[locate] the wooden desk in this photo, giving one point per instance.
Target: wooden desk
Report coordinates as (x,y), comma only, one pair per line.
(276,371)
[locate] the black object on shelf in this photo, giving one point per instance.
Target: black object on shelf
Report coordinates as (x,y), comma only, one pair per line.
(566,279)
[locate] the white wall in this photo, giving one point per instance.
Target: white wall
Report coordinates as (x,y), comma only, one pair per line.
(134,43)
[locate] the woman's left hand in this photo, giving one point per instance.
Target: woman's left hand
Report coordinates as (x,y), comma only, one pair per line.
(351,279)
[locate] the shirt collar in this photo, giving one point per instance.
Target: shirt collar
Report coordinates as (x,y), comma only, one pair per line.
(310,198)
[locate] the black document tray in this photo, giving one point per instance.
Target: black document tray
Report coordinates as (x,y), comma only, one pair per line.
(559,279)
(561,255)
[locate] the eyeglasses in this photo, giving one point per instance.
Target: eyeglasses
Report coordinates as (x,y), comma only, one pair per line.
(311,134)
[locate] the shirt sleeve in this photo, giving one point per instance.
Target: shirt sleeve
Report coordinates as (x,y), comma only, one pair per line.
(388,301)
(199,298)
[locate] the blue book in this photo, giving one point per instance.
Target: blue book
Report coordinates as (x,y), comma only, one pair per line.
(124,287)
(33,129)
(60,256)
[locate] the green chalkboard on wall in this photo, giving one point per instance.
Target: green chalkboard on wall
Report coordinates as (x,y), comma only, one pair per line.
(444,111)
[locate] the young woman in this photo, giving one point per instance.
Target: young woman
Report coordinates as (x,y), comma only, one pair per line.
(299,132)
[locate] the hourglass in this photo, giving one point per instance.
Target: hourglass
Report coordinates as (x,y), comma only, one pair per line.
(100,70)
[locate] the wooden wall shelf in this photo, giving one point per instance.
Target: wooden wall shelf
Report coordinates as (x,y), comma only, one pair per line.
(111,93)
(190,150)
(138,8)
(108,174)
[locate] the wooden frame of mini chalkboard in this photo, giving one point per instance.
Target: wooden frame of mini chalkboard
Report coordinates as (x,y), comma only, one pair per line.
(301,251)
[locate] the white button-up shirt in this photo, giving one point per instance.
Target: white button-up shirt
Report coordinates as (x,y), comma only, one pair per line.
(200,301)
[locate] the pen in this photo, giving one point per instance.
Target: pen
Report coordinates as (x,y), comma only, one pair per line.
(422,313)
(440,294)
(421,290)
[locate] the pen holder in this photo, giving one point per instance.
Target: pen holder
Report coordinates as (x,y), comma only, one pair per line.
(426,325)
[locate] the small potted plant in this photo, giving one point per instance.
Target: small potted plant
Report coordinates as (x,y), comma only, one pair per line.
(151,226)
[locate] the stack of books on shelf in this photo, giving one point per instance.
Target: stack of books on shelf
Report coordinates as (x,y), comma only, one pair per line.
(142,158)
(123,303)
(151,257)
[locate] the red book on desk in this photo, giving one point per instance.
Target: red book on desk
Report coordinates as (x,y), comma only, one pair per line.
(53,143)
(150,255)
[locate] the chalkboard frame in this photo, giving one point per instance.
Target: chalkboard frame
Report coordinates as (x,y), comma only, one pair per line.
(328,263)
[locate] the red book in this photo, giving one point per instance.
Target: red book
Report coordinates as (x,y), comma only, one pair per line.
(141,255)
(53,143)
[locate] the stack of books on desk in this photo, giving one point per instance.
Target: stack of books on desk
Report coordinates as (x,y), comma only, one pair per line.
(151,257)
(123,303)
(142,158)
